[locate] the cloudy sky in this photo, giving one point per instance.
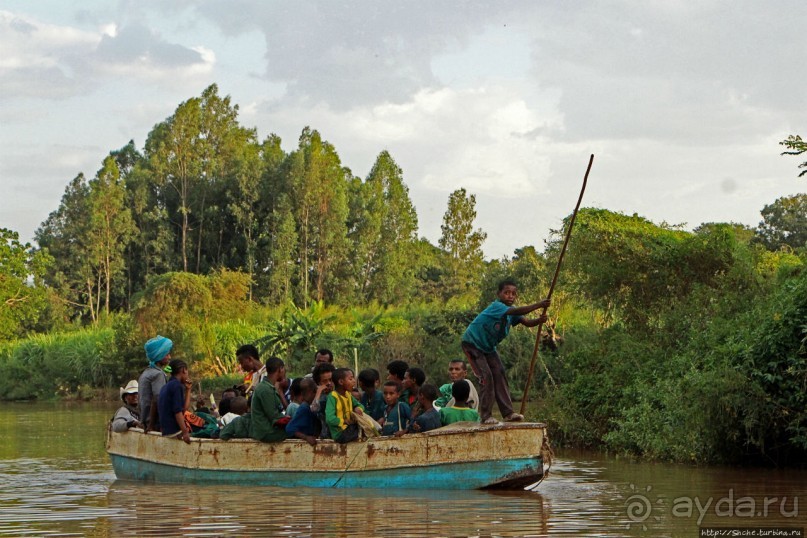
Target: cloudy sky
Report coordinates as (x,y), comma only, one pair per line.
(682,103)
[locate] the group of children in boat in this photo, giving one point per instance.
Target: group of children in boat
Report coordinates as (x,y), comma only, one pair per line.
(329,402)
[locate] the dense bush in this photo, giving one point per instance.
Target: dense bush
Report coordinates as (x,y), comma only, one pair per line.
(45,366)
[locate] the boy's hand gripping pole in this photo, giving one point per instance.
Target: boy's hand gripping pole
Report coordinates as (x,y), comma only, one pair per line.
(525,396)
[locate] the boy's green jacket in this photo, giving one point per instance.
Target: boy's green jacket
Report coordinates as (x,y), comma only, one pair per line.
(338,410)
(266,410)
(237,429)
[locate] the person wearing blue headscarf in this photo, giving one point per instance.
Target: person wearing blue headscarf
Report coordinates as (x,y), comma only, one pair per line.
(152,380)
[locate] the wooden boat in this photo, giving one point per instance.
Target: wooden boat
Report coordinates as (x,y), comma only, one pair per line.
(461,456)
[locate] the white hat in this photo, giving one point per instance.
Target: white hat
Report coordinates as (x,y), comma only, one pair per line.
(131,388)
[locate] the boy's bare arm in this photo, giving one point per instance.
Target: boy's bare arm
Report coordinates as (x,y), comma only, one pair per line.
(180,418)
(315,403)
(281,393)
(533,322)
(526,309)
(187,384)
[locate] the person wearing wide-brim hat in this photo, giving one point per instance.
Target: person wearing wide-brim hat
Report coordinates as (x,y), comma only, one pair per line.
(127,416)
(153,379)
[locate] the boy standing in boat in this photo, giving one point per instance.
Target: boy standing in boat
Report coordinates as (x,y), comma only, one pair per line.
(479,343)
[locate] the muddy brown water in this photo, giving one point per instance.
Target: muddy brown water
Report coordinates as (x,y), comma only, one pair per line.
(56,480)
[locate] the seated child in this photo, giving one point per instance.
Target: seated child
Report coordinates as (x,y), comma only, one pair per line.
(396,414)
(295,397)
(396,370)
(224,401)
(372,399)
(172,402)
(413,379)
(457,369)
(268,422)
(459,412)
(305,423)
(237,426)
(203,406)
(237,407)
(429,418)
(323,377)
(341,403)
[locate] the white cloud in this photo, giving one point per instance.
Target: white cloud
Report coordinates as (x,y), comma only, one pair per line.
(40,60)
(48,60)
(480,138)
(28,43)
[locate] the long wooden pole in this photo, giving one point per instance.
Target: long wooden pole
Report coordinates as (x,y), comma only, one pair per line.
(525,396)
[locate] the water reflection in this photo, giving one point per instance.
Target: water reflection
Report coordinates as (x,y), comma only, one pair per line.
(206,511)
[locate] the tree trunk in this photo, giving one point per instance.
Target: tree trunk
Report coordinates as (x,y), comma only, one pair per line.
(305,257)
(201,233)
(90,299)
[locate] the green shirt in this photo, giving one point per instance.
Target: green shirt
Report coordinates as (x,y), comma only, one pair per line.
(445,395)
(266,409)
(450,415)
(338,410)
(237,428)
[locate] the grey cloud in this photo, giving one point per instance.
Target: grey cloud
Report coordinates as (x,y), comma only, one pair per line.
(21,26)
(135,42)
(350,54)
(648,71)
(624,69)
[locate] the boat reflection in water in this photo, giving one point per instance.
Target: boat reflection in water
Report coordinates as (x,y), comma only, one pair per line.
(163,509)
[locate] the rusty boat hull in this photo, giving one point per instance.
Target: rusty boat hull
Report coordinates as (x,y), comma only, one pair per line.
(507,456)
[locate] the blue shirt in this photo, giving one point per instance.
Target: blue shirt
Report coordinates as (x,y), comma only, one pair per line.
(304,420)
(375,406)
(172,401)
(429,420)
(399,414)
(490,327)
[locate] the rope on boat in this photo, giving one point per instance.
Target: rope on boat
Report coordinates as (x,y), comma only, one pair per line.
(547,455)
(347,468)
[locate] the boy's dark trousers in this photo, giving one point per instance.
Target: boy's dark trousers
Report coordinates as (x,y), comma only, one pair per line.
(489,369)
(351,433)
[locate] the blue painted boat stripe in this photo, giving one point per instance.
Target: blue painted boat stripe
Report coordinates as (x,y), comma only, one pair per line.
(462,475)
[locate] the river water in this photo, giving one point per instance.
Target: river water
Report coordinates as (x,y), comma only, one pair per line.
(56,480)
